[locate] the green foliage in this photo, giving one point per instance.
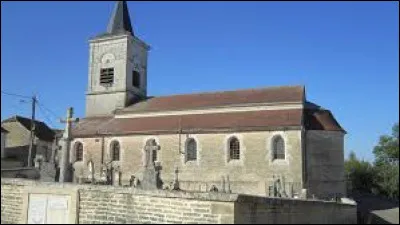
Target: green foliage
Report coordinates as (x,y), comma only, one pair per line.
(387,150)
(387,180)
(360,173)
(383,175)
(387,164)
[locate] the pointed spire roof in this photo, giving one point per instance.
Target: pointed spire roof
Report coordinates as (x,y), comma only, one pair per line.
(120,21)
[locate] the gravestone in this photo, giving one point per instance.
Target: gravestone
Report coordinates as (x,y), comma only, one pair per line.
(151,179)
(175,183)
(90,176)
(229,185)
(116,176)
(279,187)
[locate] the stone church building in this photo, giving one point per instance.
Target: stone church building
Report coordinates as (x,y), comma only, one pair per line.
(241,140)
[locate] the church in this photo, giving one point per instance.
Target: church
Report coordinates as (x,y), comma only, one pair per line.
(241,141)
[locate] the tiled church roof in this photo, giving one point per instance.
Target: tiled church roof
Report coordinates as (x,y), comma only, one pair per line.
(255,120)
(218,99)
(315,118)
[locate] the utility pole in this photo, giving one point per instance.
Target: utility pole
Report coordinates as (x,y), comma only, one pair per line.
(64,165)
(32,140)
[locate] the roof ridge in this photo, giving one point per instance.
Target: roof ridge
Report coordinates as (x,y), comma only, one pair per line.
(230,91)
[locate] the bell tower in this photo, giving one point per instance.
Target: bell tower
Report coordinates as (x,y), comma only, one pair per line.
(117,66)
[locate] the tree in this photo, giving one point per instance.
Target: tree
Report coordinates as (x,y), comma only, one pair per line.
(387,164)
(387,150)
(360,173)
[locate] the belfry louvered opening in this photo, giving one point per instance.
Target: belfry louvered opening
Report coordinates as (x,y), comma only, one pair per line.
(107,76)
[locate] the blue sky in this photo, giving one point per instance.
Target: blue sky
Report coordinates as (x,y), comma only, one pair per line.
(345,53)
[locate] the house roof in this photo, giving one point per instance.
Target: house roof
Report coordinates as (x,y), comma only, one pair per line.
(42,131)
(218,99)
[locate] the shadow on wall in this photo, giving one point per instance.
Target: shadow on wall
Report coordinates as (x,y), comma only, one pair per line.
(19,153)
(27,173)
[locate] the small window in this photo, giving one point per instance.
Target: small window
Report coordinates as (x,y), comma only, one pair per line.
(278,148)
(78,152)
(115,151)
(136,79)
(191,150)
(234,149)
(107,76)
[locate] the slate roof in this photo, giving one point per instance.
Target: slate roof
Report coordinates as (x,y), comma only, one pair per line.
(42,131)
(120,20)
(293,94)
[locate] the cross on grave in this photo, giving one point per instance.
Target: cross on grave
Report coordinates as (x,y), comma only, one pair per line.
(64,165)
(150,148)
(151,179)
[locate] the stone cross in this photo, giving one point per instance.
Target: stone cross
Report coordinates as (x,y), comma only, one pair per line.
(151,179)
(150,147)
(64,165)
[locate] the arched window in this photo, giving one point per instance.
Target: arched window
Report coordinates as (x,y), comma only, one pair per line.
(234,148)
(115,151)
(278,148)
(78,151)
(191,150)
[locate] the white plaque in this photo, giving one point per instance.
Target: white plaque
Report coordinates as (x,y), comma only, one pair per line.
(57,210)
(58,203)
(37,209)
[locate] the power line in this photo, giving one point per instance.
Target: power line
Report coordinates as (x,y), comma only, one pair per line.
(50,111)
(45,116)
(15,95)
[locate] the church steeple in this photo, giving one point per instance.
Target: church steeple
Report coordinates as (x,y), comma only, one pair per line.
(117,66)
(120,21)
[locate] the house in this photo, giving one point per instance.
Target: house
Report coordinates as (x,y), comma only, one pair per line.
(18,139)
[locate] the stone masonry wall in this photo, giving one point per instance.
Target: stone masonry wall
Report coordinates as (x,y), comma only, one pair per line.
(252,174)
(108,204)
(253,210)
(11,203)
(106,207)
(325,164)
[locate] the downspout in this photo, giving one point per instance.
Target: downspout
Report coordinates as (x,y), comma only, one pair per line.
(102,151)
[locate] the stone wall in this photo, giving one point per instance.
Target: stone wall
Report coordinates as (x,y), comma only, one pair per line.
(11,202)
(255,210)
(252,174)
(125,207)
(325,164)
(107,204)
